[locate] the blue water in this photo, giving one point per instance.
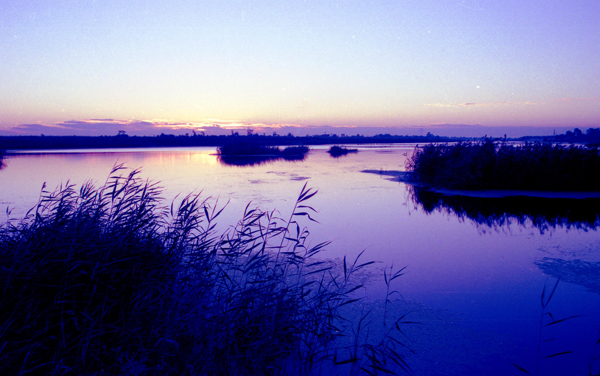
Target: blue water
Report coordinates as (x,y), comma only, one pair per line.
(475,287)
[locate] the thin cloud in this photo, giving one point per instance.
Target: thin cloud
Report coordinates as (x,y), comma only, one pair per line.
(439,105)
(478,104)
(588,99)
(36,129)
(109,127)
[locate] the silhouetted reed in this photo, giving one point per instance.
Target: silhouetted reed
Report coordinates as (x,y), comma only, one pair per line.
(547,320)
(541,213)
(490,165)
(108,280)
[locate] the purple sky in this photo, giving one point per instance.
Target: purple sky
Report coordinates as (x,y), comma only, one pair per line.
(307,67)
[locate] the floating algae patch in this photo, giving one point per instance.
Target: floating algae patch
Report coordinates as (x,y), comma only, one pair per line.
(579,272)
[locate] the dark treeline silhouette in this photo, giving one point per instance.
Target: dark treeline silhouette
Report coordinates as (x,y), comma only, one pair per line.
(590,137)
(499,165)
(541,213)
(166,140)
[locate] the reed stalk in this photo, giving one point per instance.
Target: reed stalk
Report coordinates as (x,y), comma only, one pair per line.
(110,280)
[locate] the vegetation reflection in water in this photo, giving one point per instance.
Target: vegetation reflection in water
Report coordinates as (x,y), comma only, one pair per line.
(542,213)
(108,280)
(250,154)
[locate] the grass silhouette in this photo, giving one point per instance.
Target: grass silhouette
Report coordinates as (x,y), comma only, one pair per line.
(109,280)
(490,165)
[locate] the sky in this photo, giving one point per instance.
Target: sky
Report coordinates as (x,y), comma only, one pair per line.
(474,67)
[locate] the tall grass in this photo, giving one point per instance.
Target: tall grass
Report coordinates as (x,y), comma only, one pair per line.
(490,165)
(109,280)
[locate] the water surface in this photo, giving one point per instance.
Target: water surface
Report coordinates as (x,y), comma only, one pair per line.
(475,269)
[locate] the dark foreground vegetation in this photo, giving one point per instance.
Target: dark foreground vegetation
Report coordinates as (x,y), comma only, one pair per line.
(109,281)
(337,151)
(500,165)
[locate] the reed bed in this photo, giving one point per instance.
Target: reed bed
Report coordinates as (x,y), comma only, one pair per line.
(499,165)
(249,154)
(108,280)
(338,151)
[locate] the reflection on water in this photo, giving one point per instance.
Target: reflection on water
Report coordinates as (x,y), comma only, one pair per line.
(233,160)
(541,213)
(477,290)
(340,151)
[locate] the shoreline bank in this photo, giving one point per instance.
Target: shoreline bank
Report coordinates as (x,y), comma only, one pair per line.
(406,177)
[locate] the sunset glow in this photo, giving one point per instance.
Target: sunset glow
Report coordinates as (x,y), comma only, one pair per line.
(401,66)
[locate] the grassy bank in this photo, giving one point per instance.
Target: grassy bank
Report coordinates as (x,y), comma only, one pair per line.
(107,280)
(491,165)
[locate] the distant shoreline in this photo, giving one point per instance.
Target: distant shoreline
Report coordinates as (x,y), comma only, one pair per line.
(406,177)
(122,140)
(11,143)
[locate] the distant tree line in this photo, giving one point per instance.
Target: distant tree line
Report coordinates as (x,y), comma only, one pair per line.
(122,140)
(591,137)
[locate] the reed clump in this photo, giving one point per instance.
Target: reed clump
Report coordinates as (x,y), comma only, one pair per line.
(108,280)
(498,165)
(249,154)
(338,151)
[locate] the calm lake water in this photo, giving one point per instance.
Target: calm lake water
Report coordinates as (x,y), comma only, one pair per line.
(475,271)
